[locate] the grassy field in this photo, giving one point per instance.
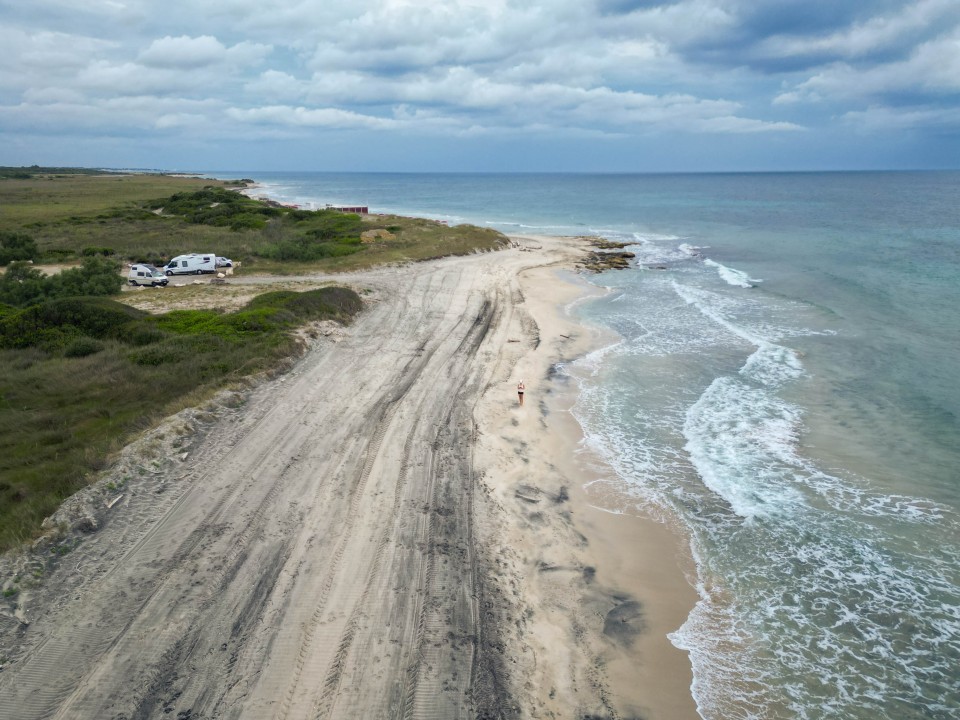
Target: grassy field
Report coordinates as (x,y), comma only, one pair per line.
(130,215)
(79,377)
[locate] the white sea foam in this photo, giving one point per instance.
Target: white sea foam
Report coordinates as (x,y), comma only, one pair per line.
(653,237)
(691,250)
(593,360)
(738,439)
(732,276)
(771,364)
(807,605)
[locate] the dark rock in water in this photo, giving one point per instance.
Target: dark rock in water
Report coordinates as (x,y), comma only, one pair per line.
(604,244)
(600,261)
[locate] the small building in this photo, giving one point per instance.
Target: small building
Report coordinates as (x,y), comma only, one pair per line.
(358,209)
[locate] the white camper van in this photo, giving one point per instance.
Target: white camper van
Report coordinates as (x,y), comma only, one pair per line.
(194,263)
(146,275)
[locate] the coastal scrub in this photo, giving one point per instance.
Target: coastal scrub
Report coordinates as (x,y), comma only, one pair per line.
(80,376)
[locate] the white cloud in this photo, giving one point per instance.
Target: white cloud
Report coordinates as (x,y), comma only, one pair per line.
(181,120)
(678,24)
(933,68)
(467,68)
(896,119)
(284,115)
(876,34)
(130,78)
(33,59)
(730,124)
(276,85)
(187,52)
(53,96)
(113,115)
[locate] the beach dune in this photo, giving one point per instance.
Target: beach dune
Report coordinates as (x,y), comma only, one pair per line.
(382,532)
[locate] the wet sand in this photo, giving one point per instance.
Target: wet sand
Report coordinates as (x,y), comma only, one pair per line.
(379,532)
(599,591)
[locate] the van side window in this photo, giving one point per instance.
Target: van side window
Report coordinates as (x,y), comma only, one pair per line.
(183,263)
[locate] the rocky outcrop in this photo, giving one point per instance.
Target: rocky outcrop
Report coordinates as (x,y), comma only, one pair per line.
(608,255)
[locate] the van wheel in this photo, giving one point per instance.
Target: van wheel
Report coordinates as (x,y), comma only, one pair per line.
(199,272)
(169,273)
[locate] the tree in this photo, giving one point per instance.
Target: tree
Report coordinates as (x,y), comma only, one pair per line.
(16,246)
(22,284)
(96,276)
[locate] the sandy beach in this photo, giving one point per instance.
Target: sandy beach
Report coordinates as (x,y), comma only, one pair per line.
(381,532)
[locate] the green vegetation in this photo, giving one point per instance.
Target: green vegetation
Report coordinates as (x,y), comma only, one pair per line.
(151,218)
(24,173)
(80,375)
(16,246)
(23,284)
(218,207)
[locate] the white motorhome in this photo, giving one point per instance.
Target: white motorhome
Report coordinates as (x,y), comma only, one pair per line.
(143,274)
(194,263)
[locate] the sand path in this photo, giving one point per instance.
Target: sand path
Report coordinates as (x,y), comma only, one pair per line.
(330,549)
(315,557)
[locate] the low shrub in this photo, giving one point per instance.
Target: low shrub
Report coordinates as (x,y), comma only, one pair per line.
(22,284)
(305,249)
(89,372)
(163,353)
(218,207)
(41,324)
(82,347)
(93,250)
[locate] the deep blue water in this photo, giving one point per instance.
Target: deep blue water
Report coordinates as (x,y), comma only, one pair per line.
(786,388)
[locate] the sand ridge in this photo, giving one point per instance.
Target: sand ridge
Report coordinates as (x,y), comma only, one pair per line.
(344,541)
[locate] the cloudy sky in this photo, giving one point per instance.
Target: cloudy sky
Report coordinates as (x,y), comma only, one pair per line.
(481,85)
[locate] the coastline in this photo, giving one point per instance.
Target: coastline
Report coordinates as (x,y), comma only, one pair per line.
(405,537)
(600,591)
(341,539)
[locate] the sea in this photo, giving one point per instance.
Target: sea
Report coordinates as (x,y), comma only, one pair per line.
(784,389)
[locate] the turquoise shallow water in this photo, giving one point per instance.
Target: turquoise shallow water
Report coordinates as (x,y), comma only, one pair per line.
(787,389)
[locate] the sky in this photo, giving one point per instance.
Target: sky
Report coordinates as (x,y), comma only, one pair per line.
(481,85)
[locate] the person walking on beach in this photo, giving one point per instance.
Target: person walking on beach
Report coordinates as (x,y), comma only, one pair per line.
(520,389)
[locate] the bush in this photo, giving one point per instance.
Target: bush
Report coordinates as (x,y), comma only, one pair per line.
(55,323)
(247,221)
(170,351)
(15,247)
(305,250)
(91,251)
(142,333)
(330,302)
(218,207)
(22,284)
(334,225)
(196,322)
(97,276)
(81,347)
